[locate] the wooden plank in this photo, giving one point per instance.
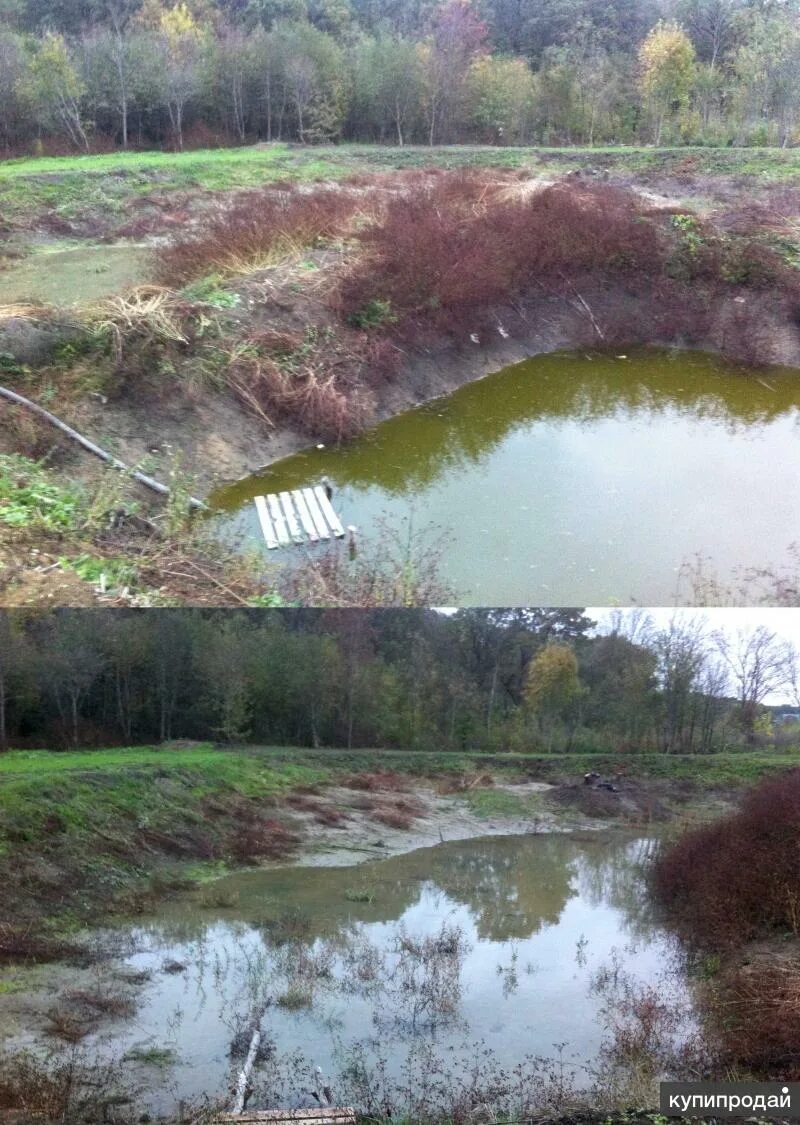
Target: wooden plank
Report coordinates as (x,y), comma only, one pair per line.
(328,512)
(291,518)
(266,523)
(328,1115)
(316,514)
(305,516)
(279,520)
(244,1074)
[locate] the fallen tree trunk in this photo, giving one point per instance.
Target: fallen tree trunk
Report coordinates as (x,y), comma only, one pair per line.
(142,478)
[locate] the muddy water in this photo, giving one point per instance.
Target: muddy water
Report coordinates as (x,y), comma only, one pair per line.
(73,274)
(574,478)
(539,919)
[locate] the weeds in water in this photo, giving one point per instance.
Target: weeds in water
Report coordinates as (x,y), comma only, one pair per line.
(295,998)
(161,1057)
(359,894)
(424,982)
(399,567)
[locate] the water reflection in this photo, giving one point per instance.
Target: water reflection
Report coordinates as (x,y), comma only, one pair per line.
(495,940)
(410,452)
(573,477)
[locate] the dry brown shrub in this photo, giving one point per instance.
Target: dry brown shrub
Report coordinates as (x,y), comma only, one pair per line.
(253,228)
(734,880)
(263,839)
(756,1010)
(377,780)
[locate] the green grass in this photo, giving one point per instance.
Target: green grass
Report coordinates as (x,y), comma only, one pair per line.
(488,803)
(152,1056)
(84,829)
(29,498)
(726,768)
(108,820)
(77,187)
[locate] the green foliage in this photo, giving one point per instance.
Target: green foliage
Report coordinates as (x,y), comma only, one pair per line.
(117,573)
(212,291)
(161,1057)
(374,314)
(28,498)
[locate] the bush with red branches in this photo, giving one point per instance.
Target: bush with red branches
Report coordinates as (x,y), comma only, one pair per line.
(735,880)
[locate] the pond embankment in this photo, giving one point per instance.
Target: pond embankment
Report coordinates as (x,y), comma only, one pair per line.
(97,830)
(161,895)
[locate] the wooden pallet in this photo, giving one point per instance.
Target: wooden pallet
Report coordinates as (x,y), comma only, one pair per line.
(330,1115)
(305,514)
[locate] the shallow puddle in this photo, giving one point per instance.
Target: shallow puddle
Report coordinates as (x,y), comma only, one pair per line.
(532,931)
(74,275)
(573,479)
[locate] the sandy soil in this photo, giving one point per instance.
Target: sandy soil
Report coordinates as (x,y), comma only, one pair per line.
(441,819)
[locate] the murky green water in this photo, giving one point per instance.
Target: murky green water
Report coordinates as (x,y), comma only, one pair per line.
(571,479)
(75,274)
(541,920)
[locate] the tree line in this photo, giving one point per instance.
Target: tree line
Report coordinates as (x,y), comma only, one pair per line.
(91,75)
(533,680)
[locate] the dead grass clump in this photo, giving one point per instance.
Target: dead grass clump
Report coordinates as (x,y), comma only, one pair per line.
(321,812)
(255,228)
(69,1026)
(114,1004)
(757,1012)
(311,395)
(377,780)
(19,943)
(263,839)
(729,882)
(393,817)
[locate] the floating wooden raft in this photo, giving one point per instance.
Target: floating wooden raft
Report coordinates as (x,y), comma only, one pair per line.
(327,1116)
(293,517)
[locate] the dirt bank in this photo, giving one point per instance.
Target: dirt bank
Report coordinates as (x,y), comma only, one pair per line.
(260,363)
(218,441)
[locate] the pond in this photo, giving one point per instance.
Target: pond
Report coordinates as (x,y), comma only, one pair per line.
(509,942)
(69,275)
(573,478)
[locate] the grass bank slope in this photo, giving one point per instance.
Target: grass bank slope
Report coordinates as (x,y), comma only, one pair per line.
(115,829)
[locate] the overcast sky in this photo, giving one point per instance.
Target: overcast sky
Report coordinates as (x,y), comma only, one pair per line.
(783,622)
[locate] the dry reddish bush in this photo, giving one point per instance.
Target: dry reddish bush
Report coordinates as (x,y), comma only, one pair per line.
(377,780)
(263,839)
(320,401)
(393,818)
(28,943)
(453,249)
(322,813)
(734,880)
(253,226)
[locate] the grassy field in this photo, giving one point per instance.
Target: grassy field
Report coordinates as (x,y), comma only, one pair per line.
(75,186)
(93,800)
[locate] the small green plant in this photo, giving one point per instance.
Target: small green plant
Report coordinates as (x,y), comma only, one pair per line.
(359,894)
(113,574)
(152,1056)
(295,998)
(211,291)
(29,499)
(374,314)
